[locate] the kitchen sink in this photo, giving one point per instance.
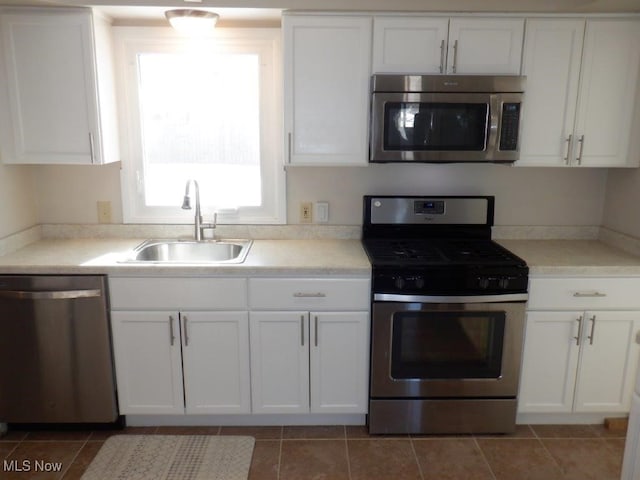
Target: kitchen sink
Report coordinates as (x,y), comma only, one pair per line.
(190,251)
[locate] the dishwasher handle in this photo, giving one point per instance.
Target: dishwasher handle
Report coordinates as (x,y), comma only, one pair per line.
(50,294)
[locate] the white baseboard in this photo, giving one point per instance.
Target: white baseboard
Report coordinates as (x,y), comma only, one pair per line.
(565,418)
(243,420)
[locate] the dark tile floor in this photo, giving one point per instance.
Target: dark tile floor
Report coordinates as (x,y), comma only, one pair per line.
(537,452)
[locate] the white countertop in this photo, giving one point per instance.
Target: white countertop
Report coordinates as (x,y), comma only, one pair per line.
(266,257)
(573,257)
(299,257)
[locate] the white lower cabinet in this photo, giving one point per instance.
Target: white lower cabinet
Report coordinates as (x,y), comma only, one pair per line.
(182,362)
(190,345)
(309,345)
(181,345)
(309,362)
(148,362)
(580,361)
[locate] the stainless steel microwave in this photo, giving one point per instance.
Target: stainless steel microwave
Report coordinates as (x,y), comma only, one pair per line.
(445,118)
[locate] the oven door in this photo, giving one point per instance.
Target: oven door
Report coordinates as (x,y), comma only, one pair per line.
(438,127)
(457,349)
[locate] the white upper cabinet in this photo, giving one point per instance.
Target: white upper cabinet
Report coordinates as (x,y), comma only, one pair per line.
(580,95)
(551,63)
(485,46)
(410,45)
(57,97)
(608,93)
(432,45)
(326,89)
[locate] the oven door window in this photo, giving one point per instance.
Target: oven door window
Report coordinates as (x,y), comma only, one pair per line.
(414,126)
(447,345)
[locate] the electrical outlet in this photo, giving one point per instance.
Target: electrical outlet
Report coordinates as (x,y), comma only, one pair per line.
(306,212)
(104,212)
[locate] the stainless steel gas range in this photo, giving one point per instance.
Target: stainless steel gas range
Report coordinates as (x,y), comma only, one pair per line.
(447,316)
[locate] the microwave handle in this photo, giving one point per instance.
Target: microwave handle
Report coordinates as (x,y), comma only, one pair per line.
(492,123)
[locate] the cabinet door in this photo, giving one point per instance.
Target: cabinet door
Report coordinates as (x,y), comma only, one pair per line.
(485,45)
(550,361)
(279,362)
(551,62)
(631,464)
(146,348)
(339,377)
(215,355)
(326,93)
(608,362)
(608,88)
(409,45)
(51,86)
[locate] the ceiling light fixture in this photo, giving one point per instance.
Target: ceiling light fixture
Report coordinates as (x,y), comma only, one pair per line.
(192,21)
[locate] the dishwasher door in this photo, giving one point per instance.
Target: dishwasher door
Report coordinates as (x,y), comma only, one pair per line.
(55,350)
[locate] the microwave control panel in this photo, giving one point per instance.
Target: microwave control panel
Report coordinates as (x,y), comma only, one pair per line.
(510,126)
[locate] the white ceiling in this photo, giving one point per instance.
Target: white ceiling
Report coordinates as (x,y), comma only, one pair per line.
(268,12)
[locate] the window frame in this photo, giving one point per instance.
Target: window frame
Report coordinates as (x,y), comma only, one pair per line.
(129,42)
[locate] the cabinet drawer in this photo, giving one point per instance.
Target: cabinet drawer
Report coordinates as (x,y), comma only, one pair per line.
(584,293)
(178,293)
(309,294)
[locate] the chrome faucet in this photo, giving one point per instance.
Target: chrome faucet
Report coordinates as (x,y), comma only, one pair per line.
(199,227)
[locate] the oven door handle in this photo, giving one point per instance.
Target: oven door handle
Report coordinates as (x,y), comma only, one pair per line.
(499,298)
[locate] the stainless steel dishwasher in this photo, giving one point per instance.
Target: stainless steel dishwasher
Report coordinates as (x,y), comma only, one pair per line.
(55,350)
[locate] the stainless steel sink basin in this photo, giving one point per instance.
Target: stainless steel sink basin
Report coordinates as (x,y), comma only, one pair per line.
(189,251)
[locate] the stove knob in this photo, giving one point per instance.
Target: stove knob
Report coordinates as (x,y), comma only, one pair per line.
(503,282)
(419,282)
(483,282)
(399,283)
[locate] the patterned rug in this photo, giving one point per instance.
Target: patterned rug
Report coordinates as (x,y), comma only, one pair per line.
(172,457)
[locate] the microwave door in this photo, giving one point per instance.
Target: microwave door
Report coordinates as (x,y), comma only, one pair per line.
(420,127)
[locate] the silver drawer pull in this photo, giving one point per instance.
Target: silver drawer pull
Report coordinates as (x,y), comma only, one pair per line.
(309,295)
(588,294)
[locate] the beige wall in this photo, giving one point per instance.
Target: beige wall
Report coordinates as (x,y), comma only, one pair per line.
(622,202)
(524,196)
(69,194)
(17,199)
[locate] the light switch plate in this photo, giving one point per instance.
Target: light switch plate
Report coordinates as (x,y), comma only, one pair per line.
(322,212)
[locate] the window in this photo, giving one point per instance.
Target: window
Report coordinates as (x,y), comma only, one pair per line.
(206,109)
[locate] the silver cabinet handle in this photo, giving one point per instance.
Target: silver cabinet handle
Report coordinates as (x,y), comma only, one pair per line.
(315,333)
(593,329)
(302,330)
(442,56)
(577,338)
(92,150)
(588,294)
(49,294)
(581,143)
(455,57)
(186,332)
(568,141)
(172,337)
(309,295)
(289,146)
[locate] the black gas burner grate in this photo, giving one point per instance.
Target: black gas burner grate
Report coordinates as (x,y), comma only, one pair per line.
(438,252)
